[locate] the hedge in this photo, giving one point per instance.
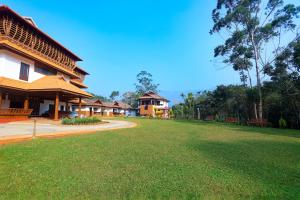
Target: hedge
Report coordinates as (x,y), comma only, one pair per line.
(79,121)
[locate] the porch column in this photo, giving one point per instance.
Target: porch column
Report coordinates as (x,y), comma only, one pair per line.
(79,106)
(56,106)
(0,99)
(26,102)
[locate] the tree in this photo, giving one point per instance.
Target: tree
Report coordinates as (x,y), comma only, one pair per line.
(190,105)
(145,83)
(284,87)
(113,95)
(102,98)
(251,29)
(131,98)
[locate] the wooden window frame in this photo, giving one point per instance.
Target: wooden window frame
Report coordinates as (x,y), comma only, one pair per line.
(24,75)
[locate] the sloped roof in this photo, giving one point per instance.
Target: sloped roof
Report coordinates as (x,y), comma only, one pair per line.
(152,95)
(78,83)
(13,84)
(81,70)
(56,83)
(4,8)
(30,20)
(98,102)
(124,105)
(46,83)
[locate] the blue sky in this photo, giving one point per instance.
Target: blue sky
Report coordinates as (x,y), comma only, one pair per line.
(117,39)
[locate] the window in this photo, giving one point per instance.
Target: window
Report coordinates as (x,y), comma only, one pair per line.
(43,70)
(51,107)
(24,72)
(62,108)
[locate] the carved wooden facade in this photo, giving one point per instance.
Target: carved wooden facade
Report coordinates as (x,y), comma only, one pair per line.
(27,37)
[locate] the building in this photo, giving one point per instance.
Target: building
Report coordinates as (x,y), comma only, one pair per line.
(91,107)
(153,105)
(38,76)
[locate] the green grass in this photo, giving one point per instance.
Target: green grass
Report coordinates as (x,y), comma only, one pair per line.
(156,160)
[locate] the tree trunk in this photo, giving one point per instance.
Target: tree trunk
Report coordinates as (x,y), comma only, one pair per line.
(260,106)
(255,110)
(254,103)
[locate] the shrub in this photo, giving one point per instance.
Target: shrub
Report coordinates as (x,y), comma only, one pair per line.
(282,123)
(80,121)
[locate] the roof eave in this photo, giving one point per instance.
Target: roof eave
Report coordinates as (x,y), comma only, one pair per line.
(6,8)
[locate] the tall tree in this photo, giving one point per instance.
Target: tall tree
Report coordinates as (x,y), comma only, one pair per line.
(284,87)
(145,83)
(113,95)
(252,27)
(130,98)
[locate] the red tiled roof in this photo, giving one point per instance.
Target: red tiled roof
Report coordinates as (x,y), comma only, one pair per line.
(152,95)
(99,103)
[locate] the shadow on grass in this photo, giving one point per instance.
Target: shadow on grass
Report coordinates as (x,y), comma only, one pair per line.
(272,166)
(240,128)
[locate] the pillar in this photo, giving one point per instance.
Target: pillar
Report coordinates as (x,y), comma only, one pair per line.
(26,102)
(0,99)
(56,104)
(79,106)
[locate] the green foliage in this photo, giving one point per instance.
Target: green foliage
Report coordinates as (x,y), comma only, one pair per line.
(250,28)
(113,95)
(236,101)
(80,121)
(131,98)
(102,98)
(282,123)
(145,83)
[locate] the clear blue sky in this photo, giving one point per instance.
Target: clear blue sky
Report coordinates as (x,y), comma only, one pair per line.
(118,38)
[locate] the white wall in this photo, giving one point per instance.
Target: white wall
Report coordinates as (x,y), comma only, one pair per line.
(45,106)
(164,104)
(10,64)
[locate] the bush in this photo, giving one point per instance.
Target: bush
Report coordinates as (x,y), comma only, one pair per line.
(282,123)
(80,121)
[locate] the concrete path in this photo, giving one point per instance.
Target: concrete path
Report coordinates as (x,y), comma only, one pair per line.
(21,129)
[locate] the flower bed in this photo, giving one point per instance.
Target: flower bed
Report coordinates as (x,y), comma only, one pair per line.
(81,121)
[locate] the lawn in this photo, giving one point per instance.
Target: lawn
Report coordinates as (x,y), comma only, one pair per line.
(156,160)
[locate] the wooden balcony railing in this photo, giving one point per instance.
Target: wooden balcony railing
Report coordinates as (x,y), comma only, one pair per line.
(15,112)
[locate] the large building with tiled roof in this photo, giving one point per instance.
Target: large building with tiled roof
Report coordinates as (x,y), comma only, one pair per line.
(153,105)
(37,74)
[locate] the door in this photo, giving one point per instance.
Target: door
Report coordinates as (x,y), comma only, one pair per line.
(34,104)
(91,111)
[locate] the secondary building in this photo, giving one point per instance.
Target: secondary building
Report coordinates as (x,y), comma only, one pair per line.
(153,105)
(91,107)
(38,75)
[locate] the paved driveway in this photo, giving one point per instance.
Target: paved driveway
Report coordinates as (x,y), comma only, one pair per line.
(16,129)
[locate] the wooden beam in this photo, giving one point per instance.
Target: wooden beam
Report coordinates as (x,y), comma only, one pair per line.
(26,102)
(56,106)
(0,99)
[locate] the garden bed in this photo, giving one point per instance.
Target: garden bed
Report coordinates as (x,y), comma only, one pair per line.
(81,121)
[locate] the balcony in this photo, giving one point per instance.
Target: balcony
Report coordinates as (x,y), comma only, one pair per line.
(13,112)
